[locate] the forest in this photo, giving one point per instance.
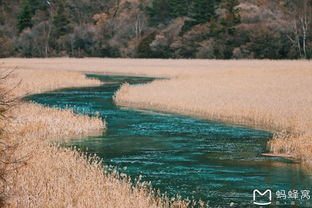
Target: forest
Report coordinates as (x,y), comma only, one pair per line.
(203,29)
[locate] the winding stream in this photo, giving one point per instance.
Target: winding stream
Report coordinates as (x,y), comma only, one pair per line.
(195,158)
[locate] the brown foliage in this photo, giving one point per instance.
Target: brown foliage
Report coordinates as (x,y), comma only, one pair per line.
(47,175)
(8,163)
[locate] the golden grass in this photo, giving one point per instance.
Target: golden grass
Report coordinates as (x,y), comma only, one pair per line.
(58,177)
(272,95)
(187,68)
(45,175)
(276,99)
(27,82)
(33,120)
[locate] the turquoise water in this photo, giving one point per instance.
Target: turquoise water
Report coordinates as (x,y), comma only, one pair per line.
(195,158)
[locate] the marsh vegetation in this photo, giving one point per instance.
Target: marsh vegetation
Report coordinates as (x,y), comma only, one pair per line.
(271,95)
(46,175)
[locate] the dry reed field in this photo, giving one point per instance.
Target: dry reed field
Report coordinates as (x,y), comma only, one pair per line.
(58,177)
(33,120)
(45,175)
(36,119)
(27,82)
(272,95)
(275,99)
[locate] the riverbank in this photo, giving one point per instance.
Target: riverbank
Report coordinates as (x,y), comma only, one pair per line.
(274,99)
(45,175)
(272,95)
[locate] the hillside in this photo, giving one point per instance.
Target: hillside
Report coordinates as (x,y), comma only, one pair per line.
(218,29)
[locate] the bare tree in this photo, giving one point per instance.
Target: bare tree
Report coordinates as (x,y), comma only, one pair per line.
(138,26)
(140,22)
(48,27)
(8,162)
(300,15)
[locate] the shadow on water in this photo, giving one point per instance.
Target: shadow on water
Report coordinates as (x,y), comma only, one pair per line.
(195,158)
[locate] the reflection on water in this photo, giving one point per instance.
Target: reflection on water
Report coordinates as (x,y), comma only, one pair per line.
(195,158)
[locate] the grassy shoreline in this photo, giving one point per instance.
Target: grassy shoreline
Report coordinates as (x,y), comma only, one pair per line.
(270,94)
(273,95)
(51,176)
(276,100)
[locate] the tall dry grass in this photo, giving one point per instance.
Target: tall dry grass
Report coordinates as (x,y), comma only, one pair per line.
(276,99)
(50,176)
(59,177)
(274,95)
(187,68)
(36,81)
(33,120)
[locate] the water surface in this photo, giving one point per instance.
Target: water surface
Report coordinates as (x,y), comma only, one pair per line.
(195,158)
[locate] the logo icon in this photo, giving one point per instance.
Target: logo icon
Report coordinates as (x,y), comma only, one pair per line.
(262,198)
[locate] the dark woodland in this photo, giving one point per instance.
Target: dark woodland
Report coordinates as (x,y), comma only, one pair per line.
(204,29)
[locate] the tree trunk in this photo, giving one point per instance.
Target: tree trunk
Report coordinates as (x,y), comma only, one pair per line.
(46,49)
